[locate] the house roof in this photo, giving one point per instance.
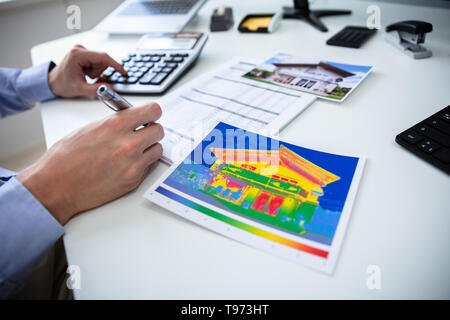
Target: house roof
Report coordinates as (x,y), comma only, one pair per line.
(288,162)
(324,65)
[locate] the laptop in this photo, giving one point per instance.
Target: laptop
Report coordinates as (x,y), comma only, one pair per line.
(148,16)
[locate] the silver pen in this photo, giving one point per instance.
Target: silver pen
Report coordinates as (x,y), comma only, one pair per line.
(113,100)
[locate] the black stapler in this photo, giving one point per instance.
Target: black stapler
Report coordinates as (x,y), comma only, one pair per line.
(408,35)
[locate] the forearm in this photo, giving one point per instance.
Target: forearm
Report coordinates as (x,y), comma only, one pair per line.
(27,231)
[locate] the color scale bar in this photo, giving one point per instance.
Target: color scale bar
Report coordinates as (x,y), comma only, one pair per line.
(241,225)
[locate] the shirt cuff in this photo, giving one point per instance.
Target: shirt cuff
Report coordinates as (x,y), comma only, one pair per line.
(27,231)
(32,84)
(5,175)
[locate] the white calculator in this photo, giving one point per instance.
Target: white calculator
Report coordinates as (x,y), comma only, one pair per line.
(158,61)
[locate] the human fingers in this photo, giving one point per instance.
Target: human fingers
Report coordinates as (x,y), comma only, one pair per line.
(99,61)
(137,116)
(149,135)
(152,154)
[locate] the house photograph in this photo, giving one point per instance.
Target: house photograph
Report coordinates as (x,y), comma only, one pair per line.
(326,79)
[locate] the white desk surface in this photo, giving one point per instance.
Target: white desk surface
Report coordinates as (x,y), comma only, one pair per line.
(400,222)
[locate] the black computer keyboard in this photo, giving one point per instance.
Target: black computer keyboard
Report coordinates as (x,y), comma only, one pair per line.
(430,139)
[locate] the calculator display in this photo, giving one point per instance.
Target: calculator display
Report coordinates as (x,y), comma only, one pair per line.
(180,41)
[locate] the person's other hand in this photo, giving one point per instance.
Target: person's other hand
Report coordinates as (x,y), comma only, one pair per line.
(97,163)
(68,79)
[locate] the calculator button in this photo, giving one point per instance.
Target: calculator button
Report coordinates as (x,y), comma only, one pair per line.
(138,74)
(133,69)
(184,55)
(155,59)
(443,155)
(149,65)
(122,79)
(114,77)
(158,69)
(132,80)
(125,60)
(146,59)
(168,60)
(108,72)
(178,59)
(411,137)
(428,146)
(171,65)
(159,78)
(168,70)
(145,80)
(144,69)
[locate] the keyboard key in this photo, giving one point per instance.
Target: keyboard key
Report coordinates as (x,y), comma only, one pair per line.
(428,146)
(446,116)
(411,137)
(443,155)
(159,78)
(429,141)
(434,134)
(440,125)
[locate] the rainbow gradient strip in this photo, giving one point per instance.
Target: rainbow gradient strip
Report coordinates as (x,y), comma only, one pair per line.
(241,225)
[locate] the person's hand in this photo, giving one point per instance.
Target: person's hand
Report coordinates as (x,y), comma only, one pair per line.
(97,163)
(68,79)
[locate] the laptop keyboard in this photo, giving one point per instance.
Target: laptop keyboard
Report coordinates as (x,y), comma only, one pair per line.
(430,139)
(158,7)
